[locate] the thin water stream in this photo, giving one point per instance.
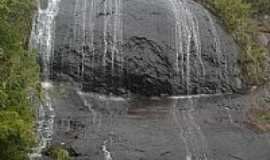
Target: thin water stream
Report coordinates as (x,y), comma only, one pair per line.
(42,39)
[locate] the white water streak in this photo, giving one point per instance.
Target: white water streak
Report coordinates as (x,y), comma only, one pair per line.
(115,30)
(198,45)
(190,132)
(42,39)
(175,114)
(85,99)
(83,52)
(198,96)
(113,25)
(107,154)
(187,34)
(105,30)
(92,15)
(76,27)
(79,32)
(119,42)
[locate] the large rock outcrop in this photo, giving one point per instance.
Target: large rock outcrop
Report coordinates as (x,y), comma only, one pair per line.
(148,47)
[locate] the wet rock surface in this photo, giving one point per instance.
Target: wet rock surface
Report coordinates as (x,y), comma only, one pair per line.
(131,47)
(209,126)
(146,48)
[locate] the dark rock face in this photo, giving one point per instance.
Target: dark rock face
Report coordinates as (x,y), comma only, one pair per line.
(130,46)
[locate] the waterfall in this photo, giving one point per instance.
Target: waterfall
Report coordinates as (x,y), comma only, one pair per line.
(91,24)
(79,33)
(187,37)
(195,143)
(84,15)
(105,30)
(42,39)
(175,114)
(106,51)
(113,31)
(83,36)
(187,34)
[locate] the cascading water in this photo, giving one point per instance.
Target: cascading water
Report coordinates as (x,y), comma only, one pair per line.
(112,31)
(79,33)
(85,14)
(91,22)
(187,35)
(42,39)
(84,33)
(105,30)
(96,44)
(190,132)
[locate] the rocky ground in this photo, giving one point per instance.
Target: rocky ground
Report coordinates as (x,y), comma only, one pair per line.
(215,127)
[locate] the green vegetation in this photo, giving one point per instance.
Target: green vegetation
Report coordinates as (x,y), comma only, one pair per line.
(236,15)
(58,153)
(19,80)
(61,154)
(260,6)
(264,117)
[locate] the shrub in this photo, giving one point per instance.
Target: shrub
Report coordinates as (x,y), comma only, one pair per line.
(58,153)
(16,136)
(61,154)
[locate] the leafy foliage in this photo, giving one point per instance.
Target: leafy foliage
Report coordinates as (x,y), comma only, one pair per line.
(15,136)
(19,80)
